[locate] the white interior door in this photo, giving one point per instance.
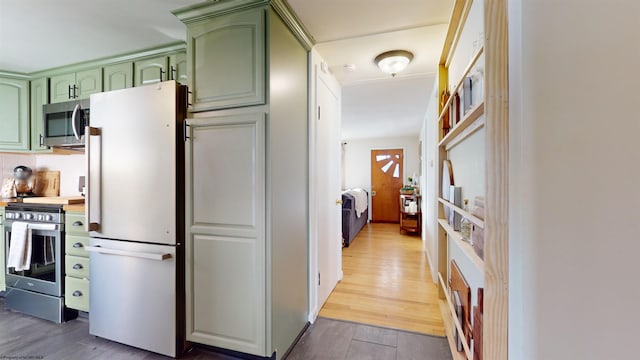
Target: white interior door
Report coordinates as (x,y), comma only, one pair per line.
(328,192)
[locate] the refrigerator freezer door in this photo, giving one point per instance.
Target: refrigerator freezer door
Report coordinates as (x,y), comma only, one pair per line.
(131,171)
(133,294)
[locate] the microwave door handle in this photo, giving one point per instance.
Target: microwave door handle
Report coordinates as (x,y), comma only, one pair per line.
(74,116)
(92,194)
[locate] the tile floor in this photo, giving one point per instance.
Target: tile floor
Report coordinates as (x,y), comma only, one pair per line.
(26,337)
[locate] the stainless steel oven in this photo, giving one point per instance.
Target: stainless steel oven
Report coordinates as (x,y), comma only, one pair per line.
(38,289)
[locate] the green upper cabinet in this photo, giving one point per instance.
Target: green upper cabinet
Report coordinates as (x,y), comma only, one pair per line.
(62,87)
(151,71)
(39,97)
(14,114)
(226,60)
(78,85)
(118,76)
(178,68)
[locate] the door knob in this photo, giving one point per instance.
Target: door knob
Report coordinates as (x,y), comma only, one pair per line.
(373,193)
(339,201)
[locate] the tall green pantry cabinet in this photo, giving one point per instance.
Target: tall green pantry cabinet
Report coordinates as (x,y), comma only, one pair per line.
(14,114)
(247,176)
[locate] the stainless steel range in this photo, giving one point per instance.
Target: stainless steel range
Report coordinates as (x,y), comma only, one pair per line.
(36,287)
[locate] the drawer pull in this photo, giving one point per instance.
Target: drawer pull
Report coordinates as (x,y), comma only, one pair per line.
(77,266)
(77,223)
(77,293)
(77,245)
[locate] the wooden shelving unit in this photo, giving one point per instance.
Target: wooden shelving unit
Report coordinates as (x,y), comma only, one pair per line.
(467,249)
(458,123)
(478,222)
(486,22)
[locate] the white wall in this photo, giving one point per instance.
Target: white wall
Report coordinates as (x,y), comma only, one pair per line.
(429,137)
(70,167)
(9,161)
(357,159)
(574,196)
(357,156)
(321,183)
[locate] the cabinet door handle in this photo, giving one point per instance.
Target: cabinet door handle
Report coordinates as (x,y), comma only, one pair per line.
(75,95)
(77,266)
(161,72)
(69,94)
(77,293)
(173,71)
(77,223)
(41,140)
(77,245)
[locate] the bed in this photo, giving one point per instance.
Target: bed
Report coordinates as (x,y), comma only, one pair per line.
(355,213)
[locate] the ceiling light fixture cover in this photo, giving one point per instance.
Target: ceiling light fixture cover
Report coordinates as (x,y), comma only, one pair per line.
(394,61)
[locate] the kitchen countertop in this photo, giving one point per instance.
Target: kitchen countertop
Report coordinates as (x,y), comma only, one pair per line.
(70,207)
(74,207)
(4,202)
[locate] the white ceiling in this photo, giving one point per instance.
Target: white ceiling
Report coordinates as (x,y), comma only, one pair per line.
(41,34)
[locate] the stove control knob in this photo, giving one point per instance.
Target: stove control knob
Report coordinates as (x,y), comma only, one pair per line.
(9,215)
(17,215)
(28,216)
(48,218)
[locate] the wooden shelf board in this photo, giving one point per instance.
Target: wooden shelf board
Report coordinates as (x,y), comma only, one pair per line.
(477,221)
(448,326)
(466,248)
(447,313)
(473,62)
(458,133)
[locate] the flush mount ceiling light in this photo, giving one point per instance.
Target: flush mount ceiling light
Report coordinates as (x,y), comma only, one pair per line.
(394,61)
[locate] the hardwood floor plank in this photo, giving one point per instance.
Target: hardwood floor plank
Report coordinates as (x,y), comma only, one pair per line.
(387,282)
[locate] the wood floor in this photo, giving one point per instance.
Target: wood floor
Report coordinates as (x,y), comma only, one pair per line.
(387,282)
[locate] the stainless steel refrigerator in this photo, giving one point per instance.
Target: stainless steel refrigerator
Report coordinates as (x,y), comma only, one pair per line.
(135,214)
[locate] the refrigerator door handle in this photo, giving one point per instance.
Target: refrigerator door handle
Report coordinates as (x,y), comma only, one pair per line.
(89,225)
(139,254)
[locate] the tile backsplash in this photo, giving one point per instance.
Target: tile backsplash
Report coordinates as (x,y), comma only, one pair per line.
(10,161)
(70,167)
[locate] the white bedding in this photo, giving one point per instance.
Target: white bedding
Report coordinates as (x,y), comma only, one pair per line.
(362,200)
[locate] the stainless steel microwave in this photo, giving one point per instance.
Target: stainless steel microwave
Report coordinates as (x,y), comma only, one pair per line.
(64,123)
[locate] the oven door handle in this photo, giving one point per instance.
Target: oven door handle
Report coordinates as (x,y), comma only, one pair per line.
(138,254)
(91,194)
(50,227)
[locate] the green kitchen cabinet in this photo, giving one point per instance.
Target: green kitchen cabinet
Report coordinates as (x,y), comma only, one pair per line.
(151,71)
(118,76)
(234,49)
(178,68)
(78,85)
(14,114)
(2,255)
(226,60)
(39,97)
(76,292)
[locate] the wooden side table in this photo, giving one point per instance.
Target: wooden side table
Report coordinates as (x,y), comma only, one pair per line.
(410,221)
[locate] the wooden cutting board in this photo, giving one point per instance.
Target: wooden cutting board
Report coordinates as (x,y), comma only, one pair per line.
(62,200)
(47,183)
